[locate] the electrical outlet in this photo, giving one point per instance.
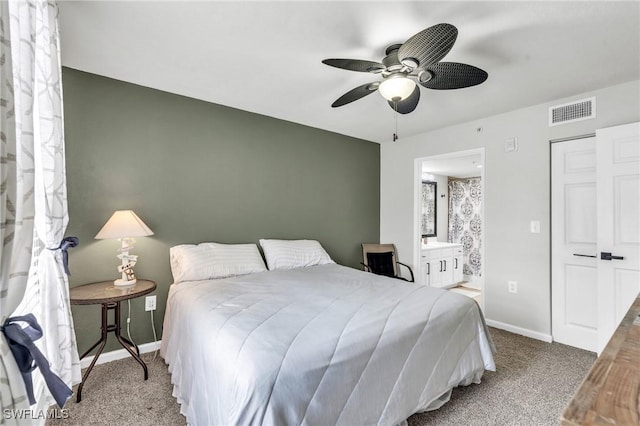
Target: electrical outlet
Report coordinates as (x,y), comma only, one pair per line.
(512,286)
(150,303)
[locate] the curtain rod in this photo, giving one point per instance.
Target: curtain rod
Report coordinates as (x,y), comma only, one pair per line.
(572,138)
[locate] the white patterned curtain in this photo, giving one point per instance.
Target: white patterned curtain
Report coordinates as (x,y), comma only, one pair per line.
(37,87)
(465,221)
(16,216)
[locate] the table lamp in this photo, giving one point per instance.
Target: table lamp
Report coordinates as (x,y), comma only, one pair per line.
(124,225)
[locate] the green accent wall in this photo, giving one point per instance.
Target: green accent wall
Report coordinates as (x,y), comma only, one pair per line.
(196,171)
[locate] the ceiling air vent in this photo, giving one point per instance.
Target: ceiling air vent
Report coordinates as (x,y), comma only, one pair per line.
(582,109)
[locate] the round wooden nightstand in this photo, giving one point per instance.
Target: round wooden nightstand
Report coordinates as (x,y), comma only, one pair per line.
(109,296)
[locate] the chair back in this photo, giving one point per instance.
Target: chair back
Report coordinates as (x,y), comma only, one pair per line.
(380,258)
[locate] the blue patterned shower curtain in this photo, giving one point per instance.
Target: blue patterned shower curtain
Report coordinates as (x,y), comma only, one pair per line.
(465,221)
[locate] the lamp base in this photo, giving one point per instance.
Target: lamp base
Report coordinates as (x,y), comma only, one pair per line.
(120,282)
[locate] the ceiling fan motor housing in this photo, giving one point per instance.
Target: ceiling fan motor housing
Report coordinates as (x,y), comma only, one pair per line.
(392,62)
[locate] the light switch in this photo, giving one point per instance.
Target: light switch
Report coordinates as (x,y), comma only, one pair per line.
(535,226)
(511,145)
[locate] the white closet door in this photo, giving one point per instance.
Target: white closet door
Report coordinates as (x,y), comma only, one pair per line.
(574,243)
(618,188)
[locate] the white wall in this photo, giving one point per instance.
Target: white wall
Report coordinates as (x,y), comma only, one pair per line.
(516,191)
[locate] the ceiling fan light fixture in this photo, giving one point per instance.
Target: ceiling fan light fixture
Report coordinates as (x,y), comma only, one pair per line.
(396,88)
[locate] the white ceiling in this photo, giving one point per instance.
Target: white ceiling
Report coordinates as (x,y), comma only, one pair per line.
(265,56)
(465,166)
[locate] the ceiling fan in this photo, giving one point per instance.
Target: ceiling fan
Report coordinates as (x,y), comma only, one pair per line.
(417,60)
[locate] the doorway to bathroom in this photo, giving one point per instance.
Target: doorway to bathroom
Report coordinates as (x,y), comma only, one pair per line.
(449,222)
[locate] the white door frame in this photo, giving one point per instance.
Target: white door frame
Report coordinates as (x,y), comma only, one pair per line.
(417,187)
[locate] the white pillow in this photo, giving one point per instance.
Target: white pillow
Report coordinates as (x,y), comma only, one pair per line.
(288,254)
(206,261)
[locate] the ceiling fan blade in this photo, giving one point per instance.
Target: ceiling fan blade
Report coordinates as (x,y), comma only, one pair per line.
(409,104)
(355,65)
(453,75)
(355,94)
(430,45)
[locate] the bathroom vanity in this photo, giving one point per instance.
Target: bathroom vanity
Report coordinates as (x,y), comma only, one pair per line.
(441,264)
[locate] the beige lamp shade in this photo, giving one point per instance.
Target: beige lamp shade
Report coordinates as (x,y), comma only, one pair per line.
(124,224)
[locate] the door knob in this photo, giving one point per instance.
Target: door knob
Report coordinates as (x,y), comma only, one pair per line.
(608,256)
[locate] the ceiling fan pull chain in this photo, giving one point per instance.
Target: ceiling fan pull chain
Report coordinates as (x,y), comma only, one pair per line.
(395,109)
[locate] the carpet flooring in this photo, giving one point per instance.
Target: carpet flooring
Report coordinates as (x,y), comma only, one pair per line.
(533,383)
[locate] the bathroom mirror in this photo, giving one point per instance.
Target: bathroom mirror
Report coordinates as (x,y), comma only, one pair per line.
(428,213)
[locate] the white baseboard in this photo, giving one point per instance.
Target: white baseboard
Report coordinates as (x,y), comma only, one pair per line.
(119,354)
(518,330)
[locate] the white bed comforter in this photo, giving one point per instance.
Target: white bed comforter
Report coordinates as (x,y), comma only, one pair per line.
(321,345)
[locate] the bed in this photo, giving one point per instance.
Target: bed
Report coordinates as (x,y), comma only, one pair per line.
(318,345)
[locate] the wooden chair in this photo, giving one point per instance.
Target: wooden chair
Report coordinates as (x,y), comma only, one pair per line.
(382,259)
